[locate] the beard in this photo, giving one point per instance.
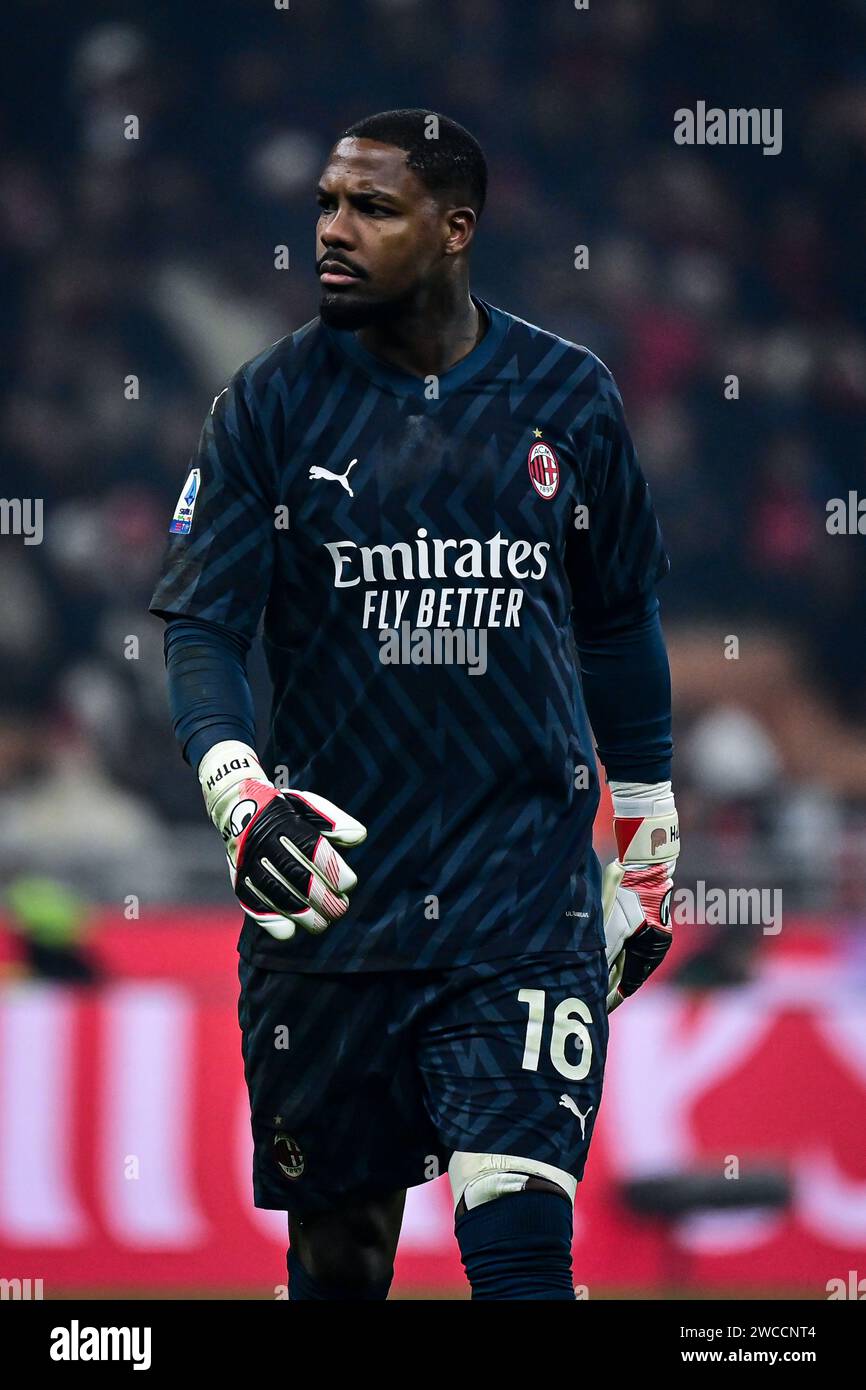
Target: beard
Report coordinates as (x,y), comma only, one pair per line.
(343,311)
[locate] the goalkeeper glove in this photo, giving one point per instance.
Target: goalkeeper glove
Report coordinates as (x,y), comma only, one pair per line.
(637,886)
(282,865)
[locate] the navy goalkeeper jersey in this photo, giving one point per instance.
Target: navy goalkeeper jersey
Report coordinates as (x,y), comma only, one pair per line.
(419,548)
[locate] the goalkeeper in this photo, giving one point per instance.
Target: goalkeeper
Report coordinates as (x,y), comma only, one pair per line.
(411,840)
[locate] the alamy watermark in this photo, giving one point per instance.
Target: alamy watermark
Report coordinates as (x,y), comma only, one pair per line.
(23,1290)
(728,907)
(712,125)
(854,1287)
(22,516)
(434,646)
(846,516)
(77,1343)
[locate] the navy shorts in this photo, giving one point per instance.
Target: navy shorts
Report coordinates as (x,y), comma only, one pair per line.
(363,1084)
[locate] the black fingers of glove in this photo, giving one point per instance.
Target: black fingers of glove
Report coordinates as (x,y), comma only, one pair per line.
(262,842)
(258,890)
(644,953)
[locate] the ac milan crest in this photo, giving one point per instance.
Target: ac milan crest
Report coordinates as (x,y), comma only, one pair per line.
(544,470)
(287,1152)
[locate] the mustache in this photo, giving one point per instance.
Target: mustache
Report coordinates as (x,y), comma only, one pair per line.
(336,259)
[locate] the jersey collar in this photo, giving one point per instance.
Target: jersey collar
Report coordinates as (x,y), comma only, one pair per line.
(405,383)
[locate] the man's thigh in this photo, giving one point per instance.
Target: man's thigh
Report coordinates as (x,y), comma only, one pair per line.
(513,1057)
(336,1099)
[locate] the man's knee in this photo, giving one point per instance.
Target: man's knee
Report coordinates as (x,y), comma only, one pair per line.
(346,1251)
(477,1178)
(353,1251)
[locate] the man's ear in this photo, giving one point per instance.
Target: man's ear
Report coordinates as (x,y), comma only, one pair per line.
(461,230)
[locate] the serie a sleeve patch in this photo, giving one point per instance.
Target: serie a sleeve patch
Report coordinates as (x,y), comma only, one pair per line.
(181,522)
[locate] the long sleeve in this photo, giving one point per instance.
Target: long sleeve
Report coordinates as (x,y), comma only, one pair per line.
(627,689)
(208,690)
(614,565)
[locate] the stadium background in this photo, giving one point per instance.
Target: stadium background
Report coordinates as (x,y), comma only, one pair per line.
(123,1143)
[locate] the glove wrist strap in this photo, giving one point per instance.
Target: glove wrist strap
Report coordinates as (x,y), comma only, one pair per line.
(646,840)
(641,798)
(221,771)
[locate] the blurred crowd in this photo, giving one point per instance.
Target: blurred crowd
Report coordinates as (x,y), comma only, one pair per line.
(137,273)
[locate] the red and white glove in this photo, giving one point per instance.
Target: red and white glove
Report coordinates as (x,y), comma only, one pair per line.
(282,864)
(637,886)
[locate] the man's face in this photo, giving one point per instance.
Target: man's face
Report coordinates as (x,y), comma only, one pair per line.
(380,235)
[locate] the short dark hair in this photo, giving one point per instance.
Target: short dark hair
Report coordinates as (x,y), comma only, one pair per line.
(452,163)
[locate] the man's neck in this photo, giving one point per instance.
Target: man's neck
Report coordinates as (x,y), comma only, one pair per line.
(430,339)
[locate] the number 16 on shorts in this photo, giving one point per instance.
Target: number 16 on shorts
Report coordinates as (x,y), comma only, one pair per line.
(572,1018)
